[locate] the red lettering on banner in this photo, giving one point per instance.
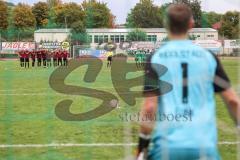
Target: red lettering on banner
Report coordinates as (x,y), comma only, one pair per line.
(24,45)
(9,45)
(15,45)
(18,45)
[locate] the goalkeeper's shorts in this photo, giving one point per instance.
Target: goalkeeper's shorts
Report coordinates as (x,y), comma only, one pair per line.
(184,154)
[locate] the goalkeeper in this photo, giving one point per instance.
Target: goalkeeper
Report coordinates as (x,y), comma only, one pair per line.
(195,75)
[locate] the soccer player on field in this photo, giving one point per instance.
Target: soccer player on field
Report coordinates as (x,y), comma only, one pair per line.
(21,58)
(27,56)
(24,58)
(136,57)
(143,56)
(33,57)
(44,58)
(59,57)
(55,58)
(190,133)
(39,58)
(109,58)
(65,58)
(140,56)
(49,58)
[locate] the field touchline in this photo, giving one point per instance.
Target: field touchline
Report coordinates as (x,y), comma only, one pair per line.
(86,145)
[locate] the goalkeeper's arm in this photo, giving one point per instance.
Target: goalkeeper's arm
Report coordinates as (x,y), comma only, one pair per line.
(148,110)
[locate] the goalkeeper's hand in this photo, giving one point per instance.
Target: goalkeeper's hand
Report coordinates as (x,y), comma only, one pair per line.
(144,141)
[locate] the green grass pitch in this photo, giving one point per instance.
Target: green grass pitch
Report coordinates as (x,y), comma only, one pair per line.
(27,117)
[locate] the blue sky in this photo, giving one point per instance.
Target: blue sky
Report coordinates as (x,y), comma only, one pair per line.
(120,8)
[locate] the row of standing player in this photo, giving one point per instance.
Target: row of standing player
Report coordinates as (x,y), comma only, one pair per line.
(43,57)
(141,57)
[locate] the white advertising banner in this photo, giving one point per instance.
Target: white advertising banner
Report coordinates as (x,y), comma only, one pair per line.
(50,45)
(232,44)
(208,44)
(18,45)
(144,45)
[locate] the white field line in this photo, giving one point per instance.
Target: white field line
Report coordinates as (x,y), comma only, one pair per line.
(47,94)
(54,93)
(66,145)
(27,94)
(49,88)
(85,145)
(22,89)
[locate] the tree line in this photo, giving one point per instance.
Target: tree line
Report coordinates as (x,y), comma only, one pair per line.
(19,21)
(146,14)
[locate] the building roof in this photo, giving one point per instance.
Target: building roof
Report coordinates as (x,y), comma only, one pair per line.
(55,30)
(203,30)
(148,30)
(121,30)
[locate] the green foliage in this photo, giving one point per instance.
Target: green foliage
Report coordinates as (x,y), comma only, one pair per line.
(23,16)
(137,35)
(197,13)
(210,18)
(130,21)
(3,15)
(145,15)
(8,34)
(54,14)
(80,38)
(230,25)
(40,11)
(98,15)
(68,13)
(78,27)
(51,19)
(22,32)
(25,34)
(15,34)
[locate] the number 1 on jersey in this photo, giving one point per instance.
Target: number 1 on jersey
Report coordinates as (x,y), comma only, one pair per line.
(184,83)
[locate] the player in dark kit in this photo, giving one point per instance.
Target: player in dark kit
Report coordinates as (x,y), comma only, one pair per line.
(143,57)
(44,58)
(33,57)
(21,58)
(49,59)
(26,59)
(59,57)
(39,58)
(55,63)
(65,58)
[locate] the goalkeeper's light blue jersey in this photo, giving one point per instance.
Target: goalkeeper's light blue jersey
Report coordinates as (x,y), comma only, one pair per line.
(186,119)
